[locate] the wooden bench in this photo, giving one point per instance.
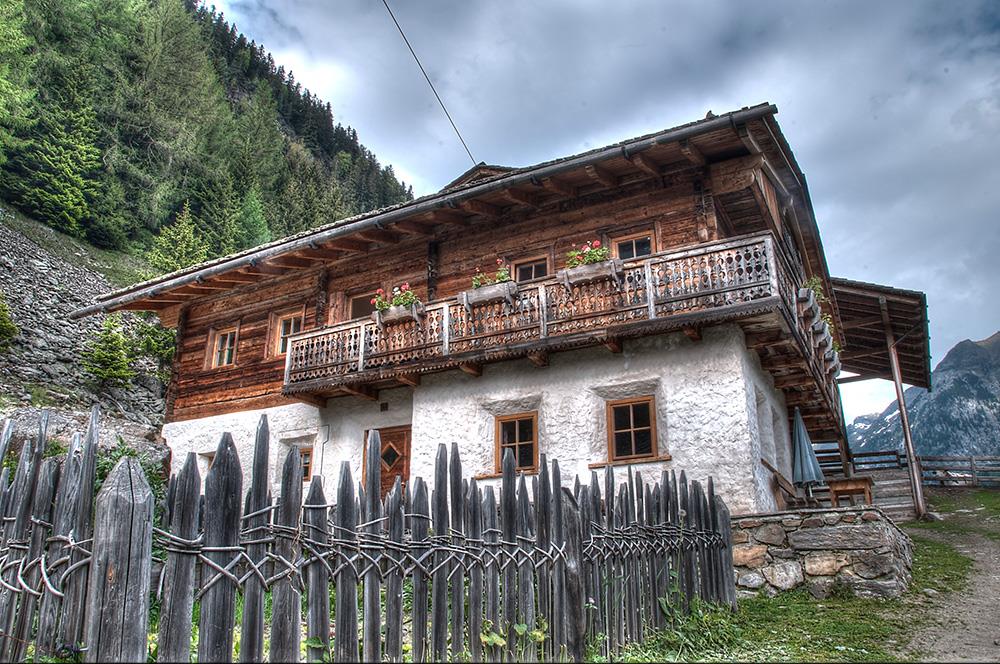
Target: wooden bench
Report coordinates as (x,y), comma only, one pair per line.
(849,487)
(785,493)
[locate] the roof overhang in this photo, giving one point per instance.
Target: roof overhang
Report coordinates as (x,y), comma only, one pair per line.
(751,129)
(874,316)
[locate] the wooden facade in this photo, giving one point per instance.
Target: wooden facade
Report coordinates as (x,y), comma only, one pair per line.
(732,238)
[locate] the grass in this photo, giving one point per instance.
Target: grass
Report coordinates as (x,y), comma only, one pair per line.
(120,268)
(842,628)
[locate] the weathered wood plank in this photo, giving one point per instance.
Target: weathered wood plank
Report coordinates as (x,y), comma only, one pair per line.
(316,536)
(475,533)
(256,519)
(525,574)
(346,643)
(439,590)
(457,537)
(372,501)
(394,583)
(508,533)
(576,623)
(223,490)
(491,543)
(421,525)
(286,593)
(118,596)
(174,643)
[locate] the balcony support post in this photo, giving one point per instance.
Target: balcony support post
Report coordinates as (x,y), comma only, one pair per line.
(361,346)
(650,290)
(446,330)
(543,325)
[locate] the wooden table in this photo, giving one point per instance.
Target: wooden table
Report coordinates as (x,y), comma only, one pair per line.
(850,487)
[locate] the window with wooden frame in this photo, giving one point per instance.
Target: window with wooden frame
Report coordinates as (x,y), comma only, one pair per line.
(631,429)
(633,246)
(222,347)
(519,434)
(360,306)
(306,456)
(529,269)
(283,325)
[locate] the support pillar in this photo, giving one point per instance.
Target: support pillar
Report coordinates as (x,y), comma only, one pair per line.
(916,479)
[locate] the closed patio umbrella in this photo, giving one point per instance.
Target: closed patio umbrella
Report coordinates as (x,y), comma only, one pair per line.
(806,472)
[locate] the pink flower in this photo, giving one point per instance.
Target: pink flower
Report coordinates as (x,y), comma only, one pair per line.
(380,291)
(499,261)
(597,243)
(373,300)
(405,286)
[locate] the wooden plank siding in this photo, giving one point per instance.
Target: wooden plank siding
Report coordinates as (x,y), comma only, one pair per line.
(672,208)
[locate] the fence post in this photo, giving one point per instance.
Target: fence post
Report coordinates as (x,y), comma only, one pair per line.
(256,520)
(223,491)
(346,644)
(118,596)
(575,619)
(372,507)
(458,538)
(178,574)
(286,615)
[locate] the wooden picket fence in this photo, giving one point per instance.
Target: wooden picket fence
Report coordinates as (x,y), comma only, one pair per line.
(528,573)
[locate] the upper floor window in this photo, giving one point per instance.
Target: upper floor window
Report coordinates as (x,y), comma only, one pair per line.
(306,456)
(361,306)
(285,324)
(633,246)
(519,434)
(533,268)
(222,347)
(631,429)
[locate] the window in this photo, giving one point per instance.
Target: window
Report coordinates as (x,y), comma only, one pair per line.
(534,268)
(633,246)
(631,429)
(306,456)
(519,434)
(361,306)
(222,347)
(283,325)
(209,458)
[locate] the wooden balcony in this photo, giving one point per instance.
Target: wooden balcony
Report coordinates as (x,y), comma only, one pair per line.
(746,280)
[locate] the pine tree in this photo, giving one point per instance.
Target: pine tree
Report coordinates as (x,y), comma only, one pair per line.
(178,245)
(106,356)
(253,228)
(15,64)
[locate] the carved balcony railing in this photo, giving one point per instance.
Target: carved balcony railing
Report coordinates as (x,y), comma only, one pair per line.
(723,280)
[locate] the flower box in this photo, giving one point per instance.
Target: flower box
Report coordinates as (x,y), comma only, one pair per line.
(613,270)
(398,314)
(505,290)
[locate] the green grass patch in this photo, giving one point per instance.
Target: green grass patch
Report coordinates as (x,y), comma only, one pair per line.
(120,268)
(967,511)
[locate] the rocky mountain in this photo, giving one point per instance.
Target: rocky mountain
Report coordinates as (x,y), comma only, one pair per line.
(960,416)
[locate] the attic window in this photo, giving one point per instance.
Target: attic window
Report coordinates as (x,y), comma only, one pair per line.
(284,324)
(222,347)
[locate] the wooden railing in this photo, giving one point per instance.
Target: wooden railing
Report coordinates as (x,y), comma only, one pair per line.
(732,275)
(936,470)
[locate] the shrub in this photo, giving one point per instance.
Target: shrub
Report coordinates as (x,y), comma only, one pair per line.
(8,330)
(107,355)
(155,341)
(178,245)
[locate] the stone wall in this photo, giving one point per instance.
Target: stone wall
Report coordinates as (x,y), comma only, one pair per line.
(858,548)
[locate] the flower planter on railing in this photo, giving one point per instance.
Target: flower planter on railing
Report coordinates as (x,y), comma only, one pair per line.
(505,290)
(398,314)
(613,270)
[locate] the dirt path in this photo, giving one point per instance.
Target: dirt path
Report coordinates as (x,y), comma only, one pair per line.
(966,625)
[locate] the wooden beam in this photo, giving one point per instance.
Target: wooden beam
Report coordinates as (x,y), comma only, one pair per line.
(855,354)
(264,270)
(783,362)
(748,140)
(856,379)
(793,381)
(412,380)
(692,333)
(519,197)
(235,278)
(862,322)
(476,206)
(602,175)
(212,285)
(292,262)
(413,227)
(310,399)
(755,340)
(614,344)
(559,187)
(380,235)
(539,359)
(363,391)
(645,164)
(348,244)
(191,289)
(471,368)
(321,254)
(448,217)
(692,153)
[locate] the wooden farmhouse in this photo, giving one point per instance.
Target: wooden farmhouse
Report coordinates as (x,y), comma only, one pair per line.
(688,348)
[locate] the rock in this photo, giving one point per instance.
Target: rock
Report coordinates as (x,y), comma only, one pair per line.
(822,587)
(812,522)
(791,523)
(930,592)
(870,565)
(784,575)
(824,563)
(873,588)
(752,580)
(870,516)
(750,523)
(741,537)
(831,519)
(749,555)
(934,516)
(770,533)
(787,554)
(860,536)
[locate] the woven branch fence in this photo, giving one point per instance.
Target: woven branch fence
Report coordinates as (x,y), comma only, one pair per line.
(532,572)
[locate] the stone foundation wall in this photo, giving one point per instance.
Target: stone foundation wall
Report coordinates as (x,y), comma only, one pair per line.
(858,548)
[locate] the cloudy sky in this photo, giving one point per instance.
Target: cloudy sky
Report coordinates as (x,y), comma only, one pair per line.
(892,109)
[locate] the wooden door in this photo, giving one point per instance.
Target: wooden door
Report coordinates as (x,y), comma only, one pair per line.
(395,454)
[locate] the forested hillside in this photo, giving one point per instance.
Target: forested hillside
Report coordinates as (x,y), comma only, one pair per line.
(118,117)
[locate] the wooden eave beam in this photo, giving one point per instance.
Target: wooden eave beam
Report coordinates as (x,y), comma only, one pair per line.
(214,284)
(868,321)
(348,244)
(539,359)
(413,228)
(321,254)
(559,187)
(193,290)
(380,235)
(748,140)
(453,217)
(482,208)
(292,262)
(518,197)
(260,269)
(234,278)
(471,368)
(411,380)
(311,399)
(364,391)
(613,344)
(602,175)
(692,333)
(692,153)
(645,164)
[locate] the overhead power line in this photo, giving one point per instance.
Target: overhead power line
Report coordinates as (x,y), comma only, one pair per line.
(429,82)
